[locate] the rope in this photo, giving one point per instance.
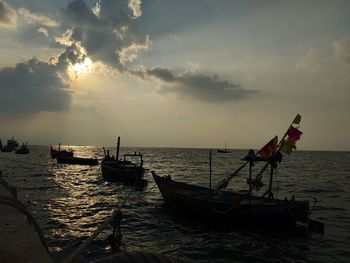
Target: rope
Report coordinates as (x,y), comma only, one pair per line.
(22,208)
(232,207)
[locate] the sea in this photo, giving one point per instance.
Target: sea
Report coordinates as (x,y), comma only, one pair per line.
(70,201)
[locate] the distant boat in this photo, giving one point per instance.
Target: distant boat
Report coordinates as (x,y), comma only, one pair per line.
(127,172)
(76,160)
(223,151)
(11,145)
(54,153)
(23,150)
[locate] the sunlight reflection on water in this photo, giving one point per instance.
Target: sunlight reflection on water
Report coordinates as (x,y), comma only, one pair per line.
(70,201)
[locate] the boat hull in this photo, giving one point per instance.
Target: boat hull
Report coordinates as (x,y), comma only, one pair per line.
(230,206)
(76,160)
(22,151)
(127,174)
(63,153)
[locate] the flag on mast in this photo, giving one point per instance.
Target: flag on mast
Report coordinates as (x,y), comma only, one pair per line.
(269,148)
(292,135)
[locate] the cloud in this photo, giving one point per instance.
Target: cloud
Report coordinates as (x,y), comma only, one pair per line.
(31,87)
(341,49)
(43,31)
(37,18)
(135,6)
(312,60)
(7,16)
(107,32)
(333,57)
(197,86)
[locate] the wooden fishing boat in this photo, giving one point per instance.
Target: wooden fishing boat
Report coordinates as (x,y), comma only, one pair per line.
(54,153)
(124,171)
(76,160)
(236,207)
(23,150)
(243,207)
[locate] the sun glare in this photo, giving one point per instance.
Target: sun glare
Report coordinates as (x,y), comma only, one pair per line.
(82,68)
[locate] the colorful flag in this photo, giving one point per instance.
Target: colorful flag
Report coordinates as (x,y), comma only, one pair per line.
(288,146)
(293,134)
(269,148)
(297,119)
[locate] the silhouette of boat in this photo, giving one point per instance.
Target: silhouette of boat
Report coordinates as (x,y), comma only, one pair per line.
(23,150)
(54,153)
(230,206)
(125,171)
(76,160)
(223,151)
(242,207)
(11,145)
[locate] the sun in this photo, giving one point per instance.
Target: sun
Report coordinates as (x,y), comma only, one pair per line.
(82,68)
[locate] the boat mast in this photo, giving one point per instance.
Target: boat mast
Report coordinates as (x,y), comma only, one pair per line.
(210,154)
(269,191)
(272,161)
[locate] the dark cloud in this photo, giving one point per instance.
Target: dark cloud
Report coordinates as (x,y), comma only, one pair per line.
(197,86)
(7,15)
(108,32)
(32,87)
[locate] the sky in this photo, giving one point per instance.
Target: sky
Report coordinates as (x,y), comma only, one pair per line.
(179,73)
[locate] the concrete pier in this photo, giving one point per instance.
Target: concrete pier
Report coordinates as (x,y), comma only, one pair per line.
(19,241)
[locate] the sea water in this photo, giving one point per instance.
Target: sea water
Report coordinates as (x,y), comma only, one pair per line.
(70,201)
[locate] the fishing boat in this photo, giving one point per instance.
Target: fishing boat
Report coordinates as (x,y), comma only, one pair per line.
(11,145)
(23,150)
(54,153)
(125,171)
(223,151)
(76,160)
(243,207)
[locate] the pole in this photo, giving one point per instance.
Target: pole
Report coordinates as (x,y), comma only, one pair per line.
(118,146)
(210,154)
(270,195)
